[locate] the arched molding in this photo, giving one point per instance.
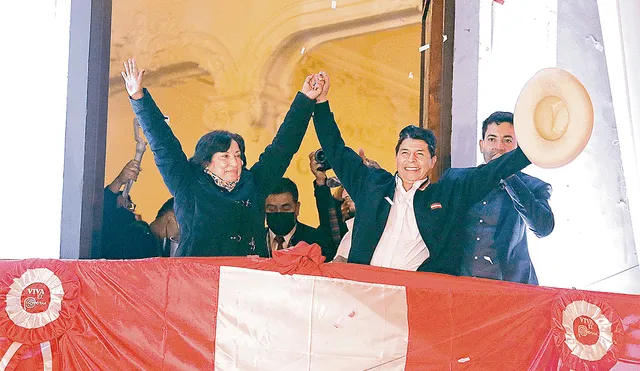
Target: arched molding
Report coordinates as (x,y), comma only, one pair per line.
(287,54)
(277,71)
(191,50)
(258,92)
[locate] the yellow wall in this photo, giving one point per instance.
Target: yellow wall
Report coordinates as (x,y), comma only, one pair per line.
(369,108)
(185,109)
(371,95)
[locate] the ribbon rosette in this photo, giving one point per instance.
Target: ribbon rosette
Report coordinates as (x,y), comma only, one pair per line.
(38,300)
(587,331)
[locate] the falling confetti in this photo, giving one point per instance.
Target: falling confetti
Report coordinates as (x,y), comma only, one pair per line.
(464,360)
(410,75)
(334,4)
(302,51)
(444,38)
(340,319)
(487,258)
(424,47)
(596,44)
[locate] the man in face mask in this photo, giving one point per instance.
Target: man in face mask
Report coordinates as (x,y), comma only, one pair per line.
(284,229)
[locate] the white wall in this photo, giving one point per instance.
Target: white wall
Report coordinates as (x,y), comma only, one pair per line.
(34,39)
(593,240)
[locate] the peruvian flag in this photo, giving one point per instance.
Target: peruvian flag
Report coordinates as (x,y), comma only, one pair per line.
(294,312)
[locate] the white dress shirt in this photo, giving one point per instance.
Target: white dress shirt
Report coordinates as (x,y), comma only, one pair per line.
(287,239)
(345,242)
(401,245)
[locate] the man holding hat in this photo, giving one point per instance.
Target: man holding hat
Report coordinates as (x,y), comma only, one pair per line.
(404,220)
(493,235)
(553,123)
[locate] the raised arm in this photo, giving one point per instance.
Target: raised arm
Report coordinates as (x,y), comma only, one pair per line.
(532,205)
(478,182)
(130,171)
(167,152)
(346,163)
(275,159)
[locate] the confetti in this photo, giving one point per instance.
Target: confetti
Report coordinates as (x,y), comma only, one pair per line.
(596,44)
(424,47)
(487,258)
(410,75)
(302,51)
(334,4)
(464,360)
(444,38)
(340,319)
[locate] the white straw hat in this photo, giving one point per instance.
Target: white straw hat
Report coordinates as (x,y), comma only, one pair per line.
(553,118)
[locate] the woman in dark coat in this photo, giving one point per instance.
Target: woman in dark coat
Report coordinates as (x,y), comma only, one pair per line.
(219,202)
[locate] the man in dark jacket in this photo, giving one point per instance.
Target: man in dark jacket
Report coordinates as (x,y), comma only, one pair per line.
(494,232)
(404,221)
(124,237)
(219,202)
(283,228)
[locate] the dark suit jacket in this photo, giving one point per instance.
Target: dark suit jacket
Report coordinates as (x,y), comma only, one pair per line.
(312,235)
(520,202)
(438,207)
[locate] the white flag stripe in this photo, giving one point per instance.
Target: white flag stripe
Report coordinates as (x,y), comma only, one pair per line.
(271,321)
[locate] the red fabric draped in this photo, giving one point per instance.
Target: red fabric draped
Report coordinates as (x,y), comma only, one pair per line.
(161,314)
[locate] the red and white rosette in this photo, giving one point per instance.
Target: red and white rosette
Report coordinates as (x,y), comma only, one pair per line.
(587,331)
(38,300)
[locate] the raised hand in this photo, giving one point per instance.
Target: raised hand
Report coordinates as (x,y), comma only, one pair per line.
(130,171)
(325,87)
(367,161)
(362,155)
(133,79)
(312,86)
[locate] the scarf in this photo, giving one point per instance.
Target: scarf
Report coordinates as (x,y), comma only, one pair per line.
(229,186)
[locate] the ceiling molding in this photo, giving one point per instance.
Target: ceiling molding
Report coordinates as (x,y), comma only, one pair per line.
(370,68)
(205,51)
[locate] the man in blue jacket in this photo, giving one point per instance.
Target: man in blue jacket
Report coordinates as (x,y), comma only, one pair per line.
(494,231)
(404,221)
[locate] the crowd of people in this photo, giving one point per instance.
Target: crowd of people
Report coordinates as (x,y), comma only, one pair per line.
(471,222)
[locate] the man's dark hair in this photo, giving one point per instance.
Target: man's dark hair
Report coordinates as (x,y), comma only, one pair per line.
(497,118)
(414,132)
(286,185)
(166,207)
(214,142)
